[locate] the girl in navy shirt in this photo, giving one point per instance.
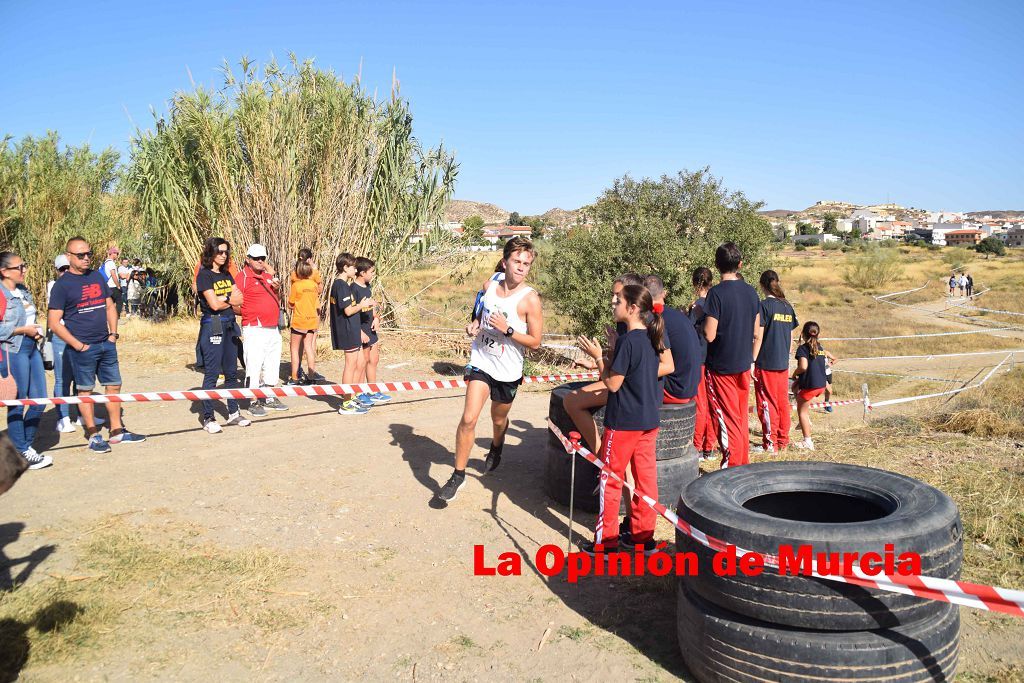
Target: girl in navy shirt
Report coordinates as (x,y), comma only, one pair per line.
(704,426)
(772,342)
(810,373)
(631,418)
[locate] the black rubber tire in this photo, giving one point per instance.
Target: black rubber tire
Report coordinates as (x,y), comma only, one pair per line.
(675,432)
(718,645)
(907,513)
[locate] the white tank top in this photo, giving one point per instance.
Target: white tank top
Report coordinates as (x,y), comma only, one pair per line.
(494,353)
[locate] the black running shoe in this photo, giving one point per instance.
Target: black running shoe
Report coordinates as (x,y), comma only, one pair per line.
(588,548)
(451,487)
(493,458)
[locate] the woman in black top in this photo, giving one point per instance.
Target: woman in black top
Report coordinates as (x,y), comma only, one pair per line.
(217,330)
(772,343)
(704,439)
(810,376)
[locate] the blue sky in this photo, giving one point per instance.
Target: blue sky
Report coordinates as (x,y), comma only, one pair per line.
(546,103)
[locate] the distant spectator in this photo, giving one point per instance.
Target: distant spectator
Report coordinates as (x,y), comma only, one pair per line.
(258,287)
(61,363)
(970,286)
(124,276)
(302,300)
(306,255)
(134,293)
(110,272)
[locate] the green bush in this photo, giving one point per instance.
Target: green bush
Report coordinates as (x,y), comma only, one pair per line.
(831,246)
(872,269)
(957,257)
(800,247)
(667,226)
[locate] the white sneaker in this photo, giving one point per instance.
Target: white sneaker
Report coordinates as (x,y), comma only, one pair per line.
(37,461)
(64,425)
(805,445)
(212,427)
(237,419)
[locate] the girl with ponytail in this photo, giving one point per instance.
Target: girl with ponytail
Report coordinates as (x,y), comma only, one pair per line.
(810,376)
(704,426)
(773,339)
(632,417)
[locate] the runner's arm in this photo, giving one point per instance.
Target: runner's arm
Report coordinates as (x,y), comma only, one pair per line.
(758,335)
(666,365)
(710,328)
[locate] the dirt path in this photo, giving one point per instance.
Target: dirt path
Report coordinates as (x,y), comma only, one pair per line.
(380,582)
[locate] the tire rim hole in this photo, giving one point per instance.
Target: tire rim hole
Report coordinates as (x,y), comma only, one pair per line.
(819,507)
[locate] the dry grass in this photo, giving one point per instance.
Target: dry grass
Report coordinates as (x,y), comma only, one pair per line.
(129,577)
(994,410)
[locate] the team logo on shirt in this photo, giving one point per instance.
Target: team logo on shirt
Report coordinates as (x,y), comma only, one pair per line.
(782,318)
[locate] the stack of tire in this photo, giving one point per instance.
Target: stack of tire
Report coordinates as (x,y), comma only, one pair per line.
(800,628)
(676,457)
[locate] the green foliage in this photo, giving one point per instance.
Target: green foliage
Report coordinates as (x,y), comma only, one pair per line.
(957,258)
(473,230)
(991,245)
(48,194)
(292,157)
(873,268)
(830,223)
(515,219)
(667,226)
(855,233)
(800,247)
(803,228)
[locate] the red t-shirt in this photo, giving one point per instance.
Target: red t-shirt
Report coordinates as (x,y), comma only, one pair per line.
(259,299)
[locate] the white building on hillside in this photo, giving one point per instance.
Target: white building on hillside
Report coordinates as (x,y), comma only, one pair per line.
(865,220)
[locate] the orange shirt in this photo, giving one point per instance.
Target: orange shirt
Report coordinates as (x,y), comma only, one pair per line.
(303,299)
(315,277)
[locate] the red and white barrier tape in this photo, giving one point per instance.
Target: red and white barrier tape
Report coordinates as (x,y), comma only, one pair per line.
(946,590)
(269,392)
(820,404)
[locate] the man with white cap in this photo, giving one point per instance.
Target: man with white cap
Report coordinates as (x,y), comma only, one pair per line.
(259,289)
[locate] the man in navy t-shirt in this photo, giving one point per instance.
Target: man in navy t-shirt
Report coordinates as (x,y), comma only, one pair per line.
(681,339)
(81,297)
(732,313)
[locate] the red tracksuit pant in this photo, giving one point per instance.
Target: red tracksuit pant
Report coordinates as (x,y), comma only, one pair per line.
(704,428)
(729,398)
(771,393)
(619,449)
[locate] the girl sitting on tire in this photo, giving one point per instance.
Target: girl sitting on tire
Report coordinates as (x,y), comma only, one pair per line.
(810,373)
(631,418)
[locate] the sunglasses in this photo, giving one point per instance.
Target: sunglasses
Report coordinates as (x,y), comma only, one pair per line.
(22,267)
(223,251)
(258,258)
(81,255)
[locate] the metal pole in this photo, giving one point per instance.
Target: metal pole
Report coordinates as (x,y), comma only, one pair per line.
(574,438)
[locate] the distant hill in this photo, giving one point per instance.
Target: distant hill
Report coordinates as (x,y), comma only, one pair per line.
(999,215)
(778,213)
(560,218)
(461,209)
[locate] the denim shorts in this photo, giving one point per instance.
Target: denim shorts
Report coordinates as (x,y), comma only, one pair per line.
(99,361)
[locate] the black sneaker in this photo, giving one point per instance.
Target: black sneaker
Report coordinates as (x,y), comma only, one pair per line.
(452,486)
(493,458)
(588,547)
(649,546)
(317,378)
(274,404)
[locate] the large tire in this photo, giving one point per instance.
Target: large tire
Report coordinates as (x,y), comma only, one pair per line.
(674,474)
(718,645)
(832,508)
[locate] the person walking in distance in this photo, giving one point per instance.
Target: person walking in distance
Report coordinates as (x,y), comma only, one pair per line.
(345,329)
(61,364)
(704,425)
(369,320)
(631,420)
(217,329)
(732,309)
(258,288)
(82,313)
(773,340)
(511,321)
(970,286)
(20,332)
(810,376)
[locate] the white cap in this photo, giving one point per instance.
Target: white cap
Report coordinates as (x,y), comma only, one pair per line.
(257,250)
(61,262)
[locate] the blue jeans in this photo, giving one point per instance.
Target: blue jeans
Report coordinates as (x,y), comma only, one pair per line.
(220,357)
(29,375)
(61,375)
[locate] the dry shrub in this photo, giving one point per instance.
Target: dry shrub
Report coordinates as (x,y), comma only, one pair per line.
(996,409)
(898,424)
(976,422)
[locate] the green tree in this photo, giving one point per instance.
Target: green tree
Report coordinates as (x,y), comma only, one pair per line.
(536,224)
(473,229)
(291,156)
(667,226)
(991,245)
(855,233)
(804,228)
(515,219)
(830,223)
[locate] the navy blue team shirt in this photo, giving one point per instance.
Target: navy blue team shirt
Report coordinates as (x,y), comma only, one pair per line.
(778,320)
(814,376)
(686,355)
(83,299)
(636,405)
(735,304)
